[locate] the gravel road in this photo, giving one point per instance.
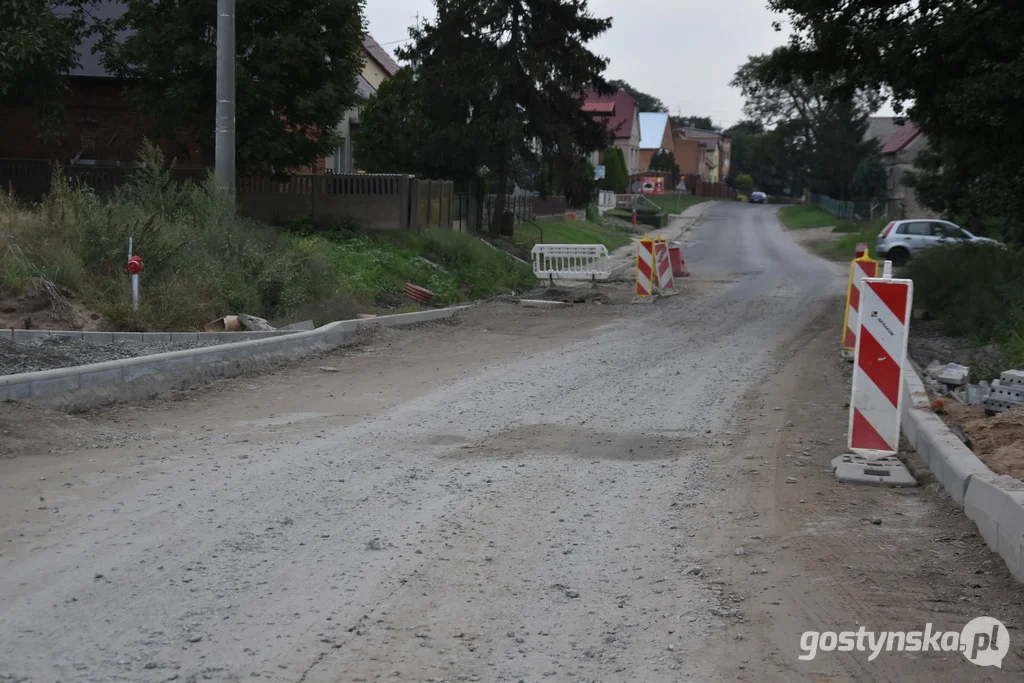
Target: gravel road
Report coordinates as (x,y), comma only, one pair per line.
(526,496)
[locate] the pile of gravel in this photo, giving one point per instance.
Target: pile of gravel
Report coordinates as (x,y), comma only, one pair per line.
(47,353)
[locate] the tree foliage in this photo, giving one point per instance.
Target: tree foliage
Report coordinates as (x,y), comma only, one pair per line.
(646,102)
(296,69)
(819,134)
(663,160)
(393,134)
(507,77)
(616,175)
(39,46)
(702,122)
(744,182)
(955,65)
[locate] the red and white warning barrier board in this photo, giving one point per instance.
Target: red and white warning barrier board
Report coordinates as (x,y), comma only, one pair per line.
(862,267)
(881,353)
(645,267)
(663,265)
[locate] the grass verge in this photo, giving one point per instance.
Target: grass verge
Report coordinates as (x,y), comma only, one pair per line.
(675,204)
(572,232)
(203,261)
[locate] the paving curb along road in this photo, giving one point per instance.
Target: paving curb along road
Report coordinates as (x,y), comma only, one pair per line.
(994,503)
(84,387)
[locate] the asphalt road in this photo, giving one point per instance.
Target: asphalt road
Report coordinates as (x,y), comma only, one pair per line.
(514,498)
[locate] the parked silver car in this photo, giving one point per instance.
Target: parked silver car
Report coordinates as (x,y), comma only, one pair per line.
(902,239)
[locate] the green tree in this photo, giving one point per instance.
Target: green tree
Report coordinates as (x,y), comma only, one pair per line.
(823,134)
(702,122)
(616,175)
(392,129)
(296,70)
(744,182)
(663,160)
(646,102)
(743,135)
(958,64)
(39,46)
(507,75)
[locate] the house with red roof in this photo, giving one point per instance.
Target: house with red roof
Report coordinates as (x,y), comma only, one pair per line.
(622,116)
(899,142)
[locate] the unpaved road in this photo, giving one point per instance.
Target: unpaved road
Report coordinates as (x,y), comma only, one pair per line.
(530,495)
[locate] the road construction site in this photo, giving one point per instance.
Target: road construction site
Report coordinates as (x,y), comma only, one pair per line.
(599,492)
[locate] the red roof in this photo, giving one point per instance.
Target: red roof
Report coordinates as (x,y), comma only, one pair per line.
(903,136)
(380,55)
(621,122)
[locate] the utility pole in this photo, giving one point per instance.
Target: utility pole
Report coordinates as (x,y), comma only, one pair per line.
(224,144)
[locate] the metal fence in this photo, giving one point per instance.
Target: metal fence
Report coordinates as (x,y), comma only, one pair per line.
(854,211)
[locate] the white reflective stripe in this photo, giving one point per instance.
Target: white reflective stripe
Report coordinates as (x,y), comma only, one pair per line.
(571,261)
(883,324)
(876,409)
(664,266)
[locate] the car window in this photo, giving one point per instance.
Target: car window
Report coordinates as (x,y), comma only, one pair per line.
(946,230)
(919,228)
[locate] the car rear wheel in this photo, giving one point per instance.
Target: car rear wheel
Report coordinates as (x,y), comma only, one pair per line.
(899,256)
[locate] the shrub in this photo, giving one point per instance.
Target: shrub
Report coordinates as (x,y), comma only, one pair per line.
(616,175)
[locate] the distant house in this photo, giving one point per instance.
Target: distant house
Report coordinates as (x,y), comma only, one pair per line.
(899,144)
(100,127)
(706,153)
(378,66)
(655,136)
(622,116)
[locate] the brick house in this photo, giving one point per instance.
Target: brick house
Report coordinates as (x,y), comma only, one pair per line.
(100,127)
(706,153)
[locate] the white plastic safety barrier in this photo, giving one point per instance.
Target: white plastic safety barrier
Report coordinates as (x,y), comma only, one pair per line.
(571,261)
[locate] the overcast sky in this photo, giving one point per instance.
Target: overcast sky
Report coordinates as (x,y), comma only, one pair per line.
(685,52)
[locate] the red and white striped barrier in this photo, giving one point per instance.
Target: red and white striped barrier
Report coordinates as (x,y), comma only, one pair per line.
(862,267)
(662,264)
(880,355)
(645,267)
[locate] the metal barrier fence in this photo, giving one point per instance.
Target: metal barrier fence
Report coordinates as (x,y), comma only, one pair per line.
(571,261)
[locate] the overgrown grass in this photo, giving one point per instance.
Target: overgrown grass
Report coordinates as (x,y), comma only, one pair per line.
(975,291)
(573,232)
(203,261)
(675,204)
(805,217)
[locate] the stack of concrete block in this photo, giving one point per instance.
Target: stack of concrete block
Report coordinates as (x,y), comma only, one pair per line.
(1007,392)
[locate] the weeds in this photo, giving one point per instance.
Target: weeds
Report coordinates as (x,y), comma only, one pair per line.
(202,260)
(976,291)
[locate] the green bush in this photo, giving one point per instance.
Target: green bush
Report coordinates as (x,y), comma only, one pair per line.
(616,175)
(976,290)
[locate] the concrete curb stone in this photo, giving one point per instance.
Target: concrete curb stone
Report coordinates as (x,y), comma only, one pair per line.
(995,503)
(88,386)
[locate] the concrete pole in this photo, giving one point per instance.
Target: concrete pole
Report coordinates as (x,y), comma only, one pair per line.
(224,171)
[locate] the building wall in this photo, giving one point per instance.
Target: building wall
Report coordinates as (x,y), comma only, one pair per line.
(688,155)
(372,72)
(100,127)
(710,170)
(903,202)
(725,145)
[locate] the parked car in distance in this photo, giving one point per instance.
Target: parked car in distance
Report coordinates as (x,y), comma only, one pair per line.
(902,239)
(758,198)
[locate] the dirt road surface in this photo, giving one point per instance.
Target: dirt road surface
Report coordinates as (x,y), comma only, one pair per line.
(600,493)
